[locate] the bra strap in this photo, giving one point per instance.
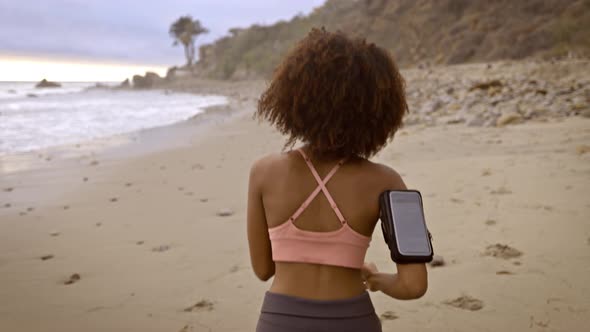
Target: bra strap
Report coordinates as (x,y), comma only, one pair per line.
(321,187)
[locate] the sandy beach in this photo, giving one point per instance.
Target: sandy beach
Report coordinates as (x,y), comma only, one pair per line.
(156,241)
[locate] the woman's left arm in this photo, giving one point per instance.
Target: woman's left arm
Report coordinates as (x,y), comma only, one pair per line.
(258,240)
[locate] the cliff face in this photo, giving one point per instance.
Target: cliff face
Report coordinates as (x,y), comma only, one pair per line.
(415,31)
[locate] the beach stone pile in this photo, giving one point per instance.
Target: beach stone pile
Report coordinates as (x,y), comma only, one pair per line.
(496,95)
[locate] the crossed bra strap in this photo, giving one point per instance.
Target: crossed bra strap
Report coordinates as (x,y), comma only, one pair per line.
(321,187)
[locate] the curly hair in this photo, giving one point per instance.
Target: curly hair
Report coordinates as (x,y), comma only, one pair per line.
(343,97)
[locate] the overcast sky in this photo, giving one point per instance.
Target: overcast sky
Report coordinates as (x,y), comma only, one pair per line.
(134,31)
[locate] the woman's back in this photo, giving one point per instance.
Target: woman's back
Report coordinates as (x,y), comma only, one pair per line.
(355,188)
(343,99)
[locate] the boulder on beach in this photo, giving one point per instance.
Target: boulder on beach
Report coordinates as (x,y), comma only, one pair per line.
(47,84)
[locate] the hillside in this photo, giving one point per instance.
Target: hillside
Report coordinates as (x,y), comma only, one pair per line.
(415,31)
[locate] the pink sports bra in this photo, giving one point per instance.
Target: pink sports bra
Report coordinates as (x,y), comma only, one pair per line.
(343,247)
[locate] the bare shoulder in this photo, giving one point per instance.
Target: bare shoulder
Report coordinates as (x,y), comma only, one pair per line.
(387,176)
(264,165)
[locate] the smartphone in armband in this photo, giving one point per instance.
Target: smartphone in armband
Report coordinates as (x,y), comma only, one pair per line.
(404,227)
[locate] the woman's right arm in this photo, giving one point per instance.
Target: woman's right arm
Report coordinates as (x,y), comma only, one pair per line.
(410,282)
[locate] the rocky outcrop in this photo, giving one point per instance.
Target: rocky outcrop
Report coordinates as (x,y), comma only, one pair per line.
(47,84)
(150,80)
(125,84)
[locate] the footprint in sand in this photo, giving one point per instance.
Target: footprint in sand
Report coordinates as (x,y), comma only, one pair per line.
(72,279)
(94,163)
(504,272)
(486,172)
(161,248)
(197,167)
(7,205)
(456,200)
(388,315)
(66,207)
(139,243)
(85,179)
(501,251)
(54,233)
(114,199)
(46,257)
(491,222)
(204,200)
(465,302)
(203,305)
(30,209)
(501,191)
(8,189)
(128,184)
(180,188)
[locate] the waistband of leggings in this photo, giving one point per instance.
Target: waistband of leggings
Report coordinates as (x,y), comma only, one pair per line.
(357,306)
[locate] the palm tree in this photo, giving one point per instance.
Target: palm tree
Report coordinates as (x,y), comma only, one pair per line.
(184,31)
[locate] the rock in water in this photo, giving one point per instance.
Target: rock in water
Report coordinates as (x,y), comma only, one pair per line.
(125,84)
(148,81)
(47,84)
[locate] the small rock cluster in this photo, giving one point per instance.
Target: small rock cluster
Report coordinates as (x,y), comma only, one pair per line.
(496,95)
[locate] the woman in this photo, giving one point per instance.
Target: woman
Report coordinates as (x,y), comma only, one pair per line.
(344,100)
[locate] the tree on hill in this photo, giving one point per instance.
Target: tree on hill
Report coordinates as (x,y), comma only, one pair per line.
(184,31)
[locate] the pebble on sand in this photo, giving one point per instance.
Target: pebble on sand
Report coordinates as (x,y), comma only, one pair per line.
(437,260)
(73,279)
(582,149)
(491,222)
(225,212)
(46,257)
(388,315)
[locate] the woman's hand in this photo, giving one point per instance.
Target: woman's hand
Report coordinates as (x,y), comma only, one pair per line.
(368,271)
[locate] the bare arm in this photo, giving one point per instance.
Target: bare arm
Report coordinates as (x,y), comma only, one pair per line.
(411,280)
(257,229)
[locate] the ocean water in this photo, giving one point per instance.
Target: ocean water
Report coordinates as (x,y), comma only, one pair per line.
(32,119)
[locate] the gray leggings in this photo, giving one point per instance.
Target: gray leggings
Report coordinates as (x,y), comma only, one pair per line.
(284,313)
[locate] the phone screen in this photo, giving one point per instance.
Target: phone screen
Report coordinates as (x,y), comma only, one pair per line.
(408,220)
